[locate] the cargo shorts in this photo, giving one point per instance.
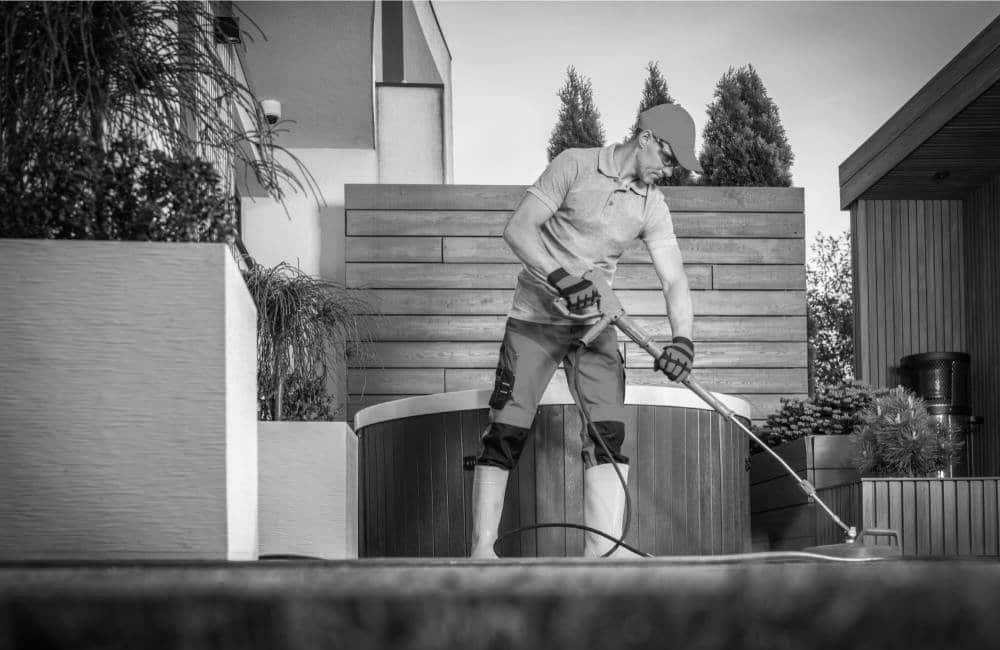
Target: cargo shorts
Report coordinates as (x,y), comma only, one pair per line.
(530,353)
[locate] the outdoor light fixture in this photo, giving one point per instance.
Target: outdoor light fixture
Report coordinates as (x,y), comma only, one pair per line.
(272,110)
(227,30)
(939,177)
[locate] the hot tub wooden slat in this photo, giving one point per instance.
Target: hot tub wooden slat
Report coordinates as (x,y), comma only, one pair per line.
(688,483)
(527,501)
(456,487)
(573,473)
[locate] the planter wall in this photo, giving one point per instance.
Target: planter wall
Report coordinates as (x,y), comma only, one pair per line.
(308,489)
(129,402)
(782,518)
(940,517)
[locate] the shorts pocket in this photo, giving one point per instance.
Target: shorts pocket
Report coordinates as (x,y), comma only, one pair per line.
(503,386)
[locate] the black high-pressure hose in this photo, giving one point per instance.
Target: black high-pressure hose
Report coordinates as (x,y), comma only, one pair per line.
(596,437)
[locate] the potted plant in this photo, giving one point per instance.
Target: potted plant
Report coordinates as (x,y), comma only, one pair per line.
(308,464)
(901,454)
(118,154)
(812,436)
(896,437)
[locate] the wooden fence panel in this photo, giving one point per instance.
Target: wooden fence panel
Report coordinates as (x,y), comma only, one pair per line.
(437,269)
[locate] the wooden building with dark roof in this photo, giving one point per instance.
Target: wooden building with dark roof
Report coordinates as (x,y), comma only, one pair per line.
(924,197)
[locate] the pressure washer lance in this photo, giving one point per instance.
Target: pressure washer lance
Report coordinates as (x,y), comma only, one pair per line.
(611,312)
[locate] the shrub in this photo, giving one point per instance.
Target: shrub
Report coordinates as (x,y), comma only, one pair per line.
(834,410)
(71,188)
(897,437)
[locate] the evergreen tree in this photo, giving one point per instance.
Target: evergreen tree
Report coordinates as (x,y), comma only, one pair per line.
(654,93)
(830,310)
(744,142)
(579,123)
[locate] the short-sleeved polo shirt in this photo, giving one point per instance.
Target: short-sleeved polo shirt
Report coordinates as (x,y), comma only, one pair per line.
(596,217)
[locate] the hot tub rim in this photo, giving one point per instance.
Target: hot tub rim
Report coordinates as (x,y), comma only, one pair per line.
(478,398)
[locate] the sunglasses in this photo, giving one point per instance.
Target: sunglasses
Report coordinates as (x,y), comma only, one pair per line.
(667,154)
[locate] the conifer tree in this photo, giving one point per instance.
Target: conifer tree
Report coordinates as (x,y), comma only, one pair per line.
(744,142)
(654,93)
(579,123)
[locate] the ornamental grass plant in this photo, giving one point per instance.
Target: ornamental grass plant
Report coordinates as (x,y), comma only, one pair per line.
(303,325)
(155,71)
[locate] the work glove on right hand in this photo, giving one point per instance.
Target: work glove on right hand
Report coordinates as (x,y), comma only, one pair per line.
(676,359)
(578,292)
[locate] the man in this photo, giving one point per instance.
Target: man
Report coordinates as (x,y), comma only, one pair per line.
(585,210)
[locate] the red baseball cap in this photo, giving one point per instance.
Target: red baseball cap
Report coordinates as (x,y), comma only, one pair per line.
(672,123)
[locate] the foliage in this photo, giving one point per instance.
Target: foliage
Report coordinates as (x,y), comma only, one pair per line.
(654,93)
(744,142)
(833,410)
(305,399)
(830,309)
(74,189)
(579,123)
(104,70)
(302,324)
(897,437)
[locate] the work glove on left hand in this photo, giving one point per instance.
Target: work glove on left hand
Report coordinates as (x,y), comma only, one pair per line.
(676,359)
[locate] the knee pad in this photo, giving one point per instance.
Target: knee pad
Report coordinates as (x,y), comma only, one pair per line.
(502,445)
(613,434)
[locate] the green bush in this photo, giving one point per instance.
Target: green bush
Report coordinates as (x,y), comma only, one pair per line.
(897,437)
(834,410)
(71,188)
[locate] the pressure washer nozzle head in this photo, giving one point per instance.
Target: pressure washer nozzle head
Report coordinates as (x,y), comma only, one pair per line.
(852,534)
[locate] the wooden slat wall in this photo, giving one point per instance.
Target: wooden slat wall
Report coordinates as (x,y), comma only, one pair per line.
(940,517)
(434,260)
(909,283)
(982,236)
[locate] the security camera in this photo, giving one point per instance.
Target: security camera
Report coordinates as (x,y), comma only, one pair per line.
(272,110)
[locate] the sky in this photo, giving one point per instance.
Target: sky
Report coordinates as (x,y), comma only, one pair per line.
(836,70)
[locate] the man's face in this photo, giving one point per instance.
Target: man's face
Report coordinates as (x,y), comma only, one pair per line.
(656,161)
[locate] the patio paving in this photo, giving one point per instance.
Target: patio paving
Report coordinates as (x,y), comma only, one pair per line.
(543,603)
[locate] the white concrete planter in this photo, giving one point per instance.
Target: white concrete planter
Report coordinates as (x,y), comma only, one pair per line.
(127,402)
(308,489)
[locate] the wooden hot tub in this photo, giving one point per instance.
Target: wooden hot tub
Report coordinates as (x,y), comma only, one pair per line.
(688,480)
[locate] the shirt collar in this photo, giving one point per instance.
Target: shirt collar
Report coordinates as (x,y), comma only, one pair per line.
(606,165)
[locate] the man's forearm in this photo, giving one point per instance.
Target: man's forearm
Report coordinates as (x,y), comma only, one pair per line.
(679,308)
(527,245)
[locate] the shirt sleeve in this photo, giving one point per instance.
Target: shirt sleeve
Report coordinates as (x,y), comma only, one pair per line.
(554,183)
(658,231)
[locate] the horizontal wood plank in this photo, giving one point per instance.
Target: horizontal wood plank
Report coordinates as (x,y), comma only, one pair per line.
(375,275)
(740,354)
(490,328)
(427,354)
(398,381)
(722,380)
(759,276)
(491,223)
(637,303)
(505,197)
(393,249)
(694,250)
(762,406)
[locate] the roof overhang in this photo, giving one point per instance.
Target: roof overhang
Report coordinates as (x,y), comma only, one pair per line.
(944,142)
